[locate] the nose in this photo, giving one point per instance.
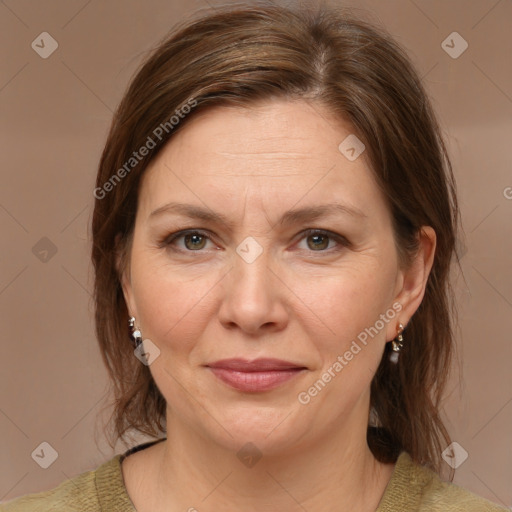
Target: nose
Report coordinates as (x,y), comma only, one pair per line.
(254,298)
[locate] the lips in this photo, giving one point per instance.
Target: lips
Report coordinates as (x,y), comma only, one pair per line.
(258,365)
(255,376)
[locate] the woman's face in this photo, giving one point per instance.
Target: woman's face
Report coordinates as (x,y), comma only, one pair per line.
(254,180)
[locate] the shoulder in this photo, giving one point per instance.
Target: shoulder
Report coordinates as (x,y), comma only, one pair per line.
(444,496)
(85,493)
(416,488)
(100,490)
(77,493)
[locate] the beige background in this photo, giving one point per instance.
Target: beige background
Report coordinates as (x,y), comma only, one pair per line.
(54,116)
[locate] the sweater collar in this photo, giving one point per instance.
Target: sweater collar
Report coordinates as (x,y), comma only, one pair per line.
(113,496)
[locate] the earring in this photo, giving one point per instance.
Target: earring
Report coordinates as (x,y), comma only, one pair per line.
(136,334)
(397,345)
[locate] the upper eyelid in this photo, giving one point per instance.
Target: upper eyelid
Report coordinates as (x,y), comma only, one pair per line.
(178,234)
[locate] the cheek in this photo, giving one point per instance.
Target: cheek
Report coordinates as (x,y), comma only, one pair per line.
(173,307)
(345,303)
(351,308)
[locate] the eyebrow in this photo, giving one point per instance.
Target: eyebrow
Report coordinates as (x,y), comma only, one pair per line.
(294,216)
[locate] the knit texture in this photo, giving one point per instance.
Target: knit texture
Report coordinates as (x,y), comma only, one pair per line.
(412,488)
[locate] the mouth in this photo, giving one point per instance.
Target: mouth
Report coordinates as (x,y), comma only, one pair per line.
(255,376)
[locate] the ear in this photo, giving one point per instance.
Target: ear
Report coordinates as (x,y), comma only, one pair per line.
(122,250)
(412,281)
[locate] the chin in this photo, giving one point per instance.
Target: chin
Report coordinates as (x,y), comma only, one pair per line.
(270,430)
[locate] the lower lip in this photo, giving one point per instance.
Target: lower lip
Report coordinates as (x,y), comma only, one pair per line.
(255,381)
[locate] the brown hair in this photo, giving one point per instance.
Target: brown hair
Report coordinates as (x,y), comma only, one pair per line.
(240,55)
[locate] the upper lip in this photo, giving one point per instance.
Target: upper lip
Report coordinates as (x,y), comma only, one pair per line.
(257,365)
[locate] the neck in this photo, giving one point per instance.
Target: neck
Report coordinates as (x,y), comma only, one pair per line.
(339,473)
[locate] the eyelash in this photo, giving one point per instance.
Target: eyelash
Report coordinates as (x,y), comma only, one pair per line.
(169,239)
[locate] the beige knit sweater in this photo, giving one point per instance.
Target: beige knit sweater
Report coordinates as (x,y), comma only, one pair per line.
(412,488)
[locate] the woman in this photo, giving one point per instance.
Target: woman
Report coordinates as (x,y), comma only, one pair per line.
(274,224)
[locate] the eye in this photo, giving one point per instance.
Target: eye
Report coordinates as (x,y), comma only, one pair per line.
(319,240)
(193,240)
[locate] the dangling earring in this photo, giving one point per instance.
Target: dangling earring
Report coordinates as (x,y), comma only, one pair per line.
(136,334)
(397,345)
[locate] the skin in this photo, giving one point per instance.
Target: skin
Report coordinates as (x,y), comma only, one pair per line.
(295,301)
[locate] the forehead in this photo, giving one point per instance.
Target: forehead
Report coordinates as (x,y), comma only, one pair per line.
(270,150)
(268,130)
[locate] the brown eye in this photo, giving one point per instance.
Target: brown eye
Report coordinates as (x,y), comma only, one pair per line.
(194,241)
(318,241)
(186,241)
